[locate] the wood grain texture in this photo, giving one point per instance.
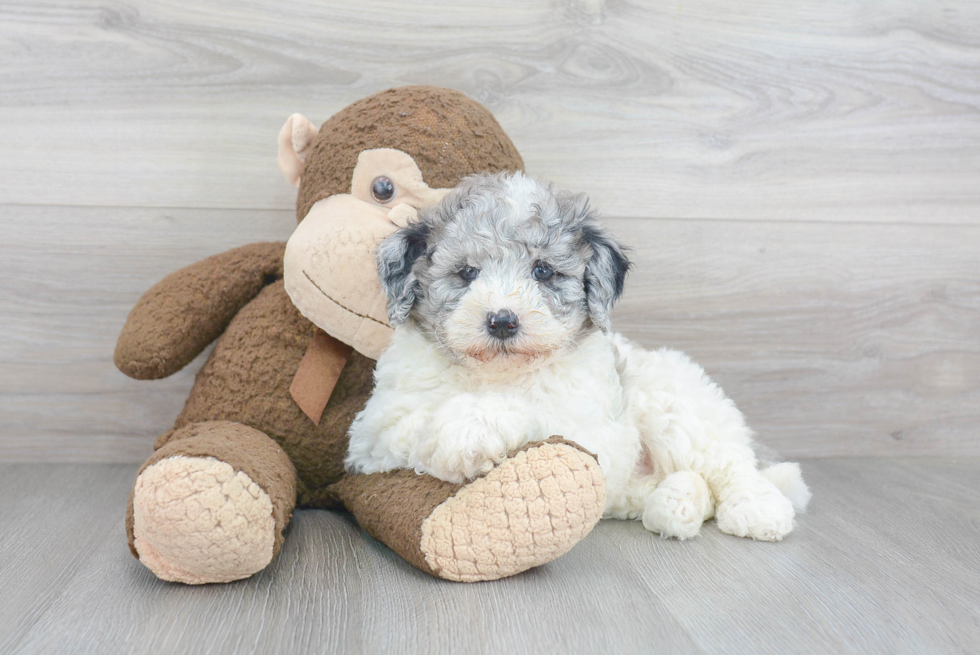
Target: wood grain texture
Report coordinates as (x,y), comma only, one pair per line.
(798,182)
(886,561)
(768,109)
(68,279)
(834,339)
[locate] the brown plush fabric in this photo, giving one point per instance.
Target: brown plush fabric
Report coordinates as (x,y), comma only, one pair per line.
(240,410)
(247,380)
(391,507)
(448,135)
(246,450)
(176,319)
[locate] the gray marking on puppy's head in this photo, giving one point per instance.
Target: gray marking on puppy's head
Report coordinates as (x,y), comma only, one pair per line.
(510,230)
(605,274)
(395,258)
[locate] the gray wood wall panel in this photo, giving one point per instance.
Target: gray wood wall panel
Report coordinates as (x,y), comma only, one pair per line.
(835,339)
(713,109)
(799,182)
(68,278)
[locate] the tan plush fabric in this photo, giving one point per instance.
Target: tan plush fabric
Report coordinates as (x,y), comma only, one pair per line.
(243,448)
(528,511)
(329,265)
(410,186)
(196,520)
(295,140)
(331,274)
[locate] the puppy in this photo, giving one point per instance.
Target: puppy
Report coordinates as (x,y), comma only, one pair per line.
(500,297)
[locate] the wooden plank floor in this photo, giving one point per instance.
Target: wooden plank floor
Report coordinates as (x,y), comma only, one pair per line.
(886,561)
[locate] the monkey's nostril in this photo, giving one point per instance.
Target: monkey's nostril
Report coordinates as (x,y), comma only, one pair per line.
(503,324)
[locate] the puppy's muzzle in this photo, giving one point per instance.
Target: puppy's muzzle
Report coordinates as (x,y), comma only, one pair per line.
(503,324)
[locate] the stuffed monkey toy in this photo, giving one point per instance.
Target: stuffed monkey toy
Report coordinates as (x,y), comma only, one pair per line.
(297,327)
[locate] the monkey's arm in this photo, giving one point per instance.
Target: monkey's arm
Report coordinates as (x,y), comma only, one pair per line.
(184,312)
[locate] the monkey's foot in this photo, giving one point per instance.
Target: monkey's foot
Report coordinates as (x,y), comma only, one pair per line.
(531,509)
(196,520)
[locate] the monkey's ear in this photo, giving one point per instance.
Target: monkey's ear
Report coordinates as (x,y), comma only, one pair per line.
(396,257)
(295,140)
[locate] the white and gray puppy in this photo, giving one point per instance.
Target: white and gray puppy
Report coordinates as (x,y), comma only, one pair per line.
(500,297)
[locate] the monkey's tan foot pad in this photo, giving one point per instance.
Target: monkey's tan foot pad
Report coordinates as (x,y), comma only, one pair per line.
(196,520)
(532,508)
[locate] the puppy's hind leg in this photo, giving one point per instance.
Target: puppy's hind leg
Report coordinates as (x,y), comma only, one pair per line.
(678,506)
(749,504)
(686,418)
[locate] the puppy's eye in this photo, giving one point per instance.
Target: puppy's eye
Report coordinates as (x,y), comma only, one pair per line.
(468,273)
(383,189)
(542,273)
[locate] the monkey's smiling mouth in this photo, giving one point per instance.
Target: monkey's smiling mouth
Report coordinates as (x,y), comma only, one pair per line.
(340,304)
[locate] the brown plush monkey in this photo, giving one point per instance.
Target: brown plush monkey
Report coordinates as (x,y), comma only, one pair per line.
(264,428)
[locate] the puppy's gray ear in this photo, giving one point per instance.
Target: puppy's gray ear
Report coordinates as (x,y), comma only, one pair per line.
(396,256)
(605,273)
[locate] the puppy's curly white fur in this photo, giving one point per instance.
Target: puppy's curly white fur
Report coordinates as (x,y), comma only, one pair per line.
(501,297)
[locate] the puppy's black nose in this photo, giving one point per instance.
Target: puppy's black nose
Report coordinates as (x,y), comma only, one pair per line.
(502,324)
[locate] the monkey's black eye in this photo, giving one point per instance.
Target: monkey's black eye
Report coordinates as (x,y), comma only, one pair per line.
(468,273)
(542,272)
(382,189)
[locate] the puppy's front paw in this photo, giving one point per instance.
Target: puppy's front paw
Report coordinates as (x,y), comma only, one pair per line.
(678,506)
(471,434)
(764,514)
